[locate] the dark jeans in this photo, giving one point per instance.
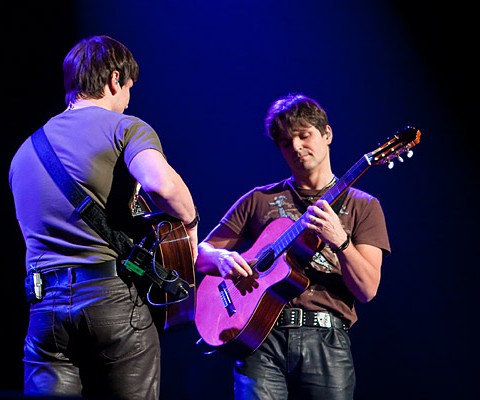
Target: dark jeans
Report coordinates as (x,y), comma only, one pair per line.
(89,339)
(298,363)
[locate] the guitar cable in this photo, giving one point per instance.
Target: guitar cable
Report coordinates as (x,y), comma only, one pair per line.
(153,250)
(155,245)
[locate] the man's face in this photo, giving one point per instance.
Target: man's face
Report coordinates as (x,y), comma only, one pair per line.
(306,149)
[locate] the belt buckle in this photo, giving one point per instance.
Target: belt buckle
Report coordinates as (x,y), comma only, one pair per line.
(295,318)
(324,320)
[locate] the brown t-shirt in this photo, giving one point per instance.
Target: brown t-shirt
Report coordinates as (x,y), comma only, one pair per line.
(361,216)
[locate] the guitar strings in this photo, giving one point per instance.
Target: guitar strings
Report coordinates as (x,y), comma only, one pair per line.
(233,284)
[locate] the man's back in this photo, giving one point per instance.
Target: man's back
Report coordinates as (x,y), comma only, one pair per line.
(89,142)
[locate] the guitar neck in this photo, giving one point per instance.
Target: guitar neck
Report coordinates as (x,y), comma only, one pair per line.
(347,180)
(331,196)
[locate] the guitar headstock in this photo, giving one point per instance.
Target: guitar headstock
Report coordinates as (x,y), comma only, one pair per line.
(402,142)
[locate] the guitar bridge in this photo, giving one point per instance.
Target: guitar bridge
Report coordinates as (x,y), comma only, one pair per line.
(226,299)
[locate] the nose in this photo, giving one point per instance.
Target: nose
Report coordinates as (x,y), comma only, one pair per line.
(297,144)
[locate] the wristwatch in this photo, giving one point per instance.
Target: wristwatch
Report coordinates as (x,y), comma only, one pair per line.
(195,221)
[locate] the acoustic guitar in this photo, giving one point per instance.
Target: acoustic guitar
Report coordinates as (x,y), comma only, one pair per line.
(236,315)
(170,247)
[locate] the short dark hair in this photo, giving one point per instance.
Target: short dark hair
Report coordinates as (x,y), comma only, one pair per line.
(293,111)
(89,65)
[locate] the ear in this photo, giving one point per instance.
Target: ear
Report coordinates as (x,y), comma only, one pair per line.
(113,83)
(328,134)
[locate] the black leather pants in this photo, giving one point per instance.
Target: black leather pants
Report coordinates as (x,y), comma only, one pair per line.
(298,363)
(88,339)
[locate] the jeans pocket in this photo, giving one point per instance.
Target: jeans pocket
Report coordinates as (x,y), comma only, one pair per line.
(119,330)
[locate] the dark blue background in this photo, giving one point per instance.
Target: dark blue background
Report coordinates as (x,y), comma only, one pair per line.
(209,71)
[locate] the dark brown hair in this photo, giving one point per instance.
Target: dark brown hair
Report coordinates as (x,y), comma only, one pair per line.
(294,111)
(89,65)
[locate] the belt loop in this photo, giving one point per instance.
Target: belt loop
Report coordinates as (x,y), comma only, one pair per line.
(70,275)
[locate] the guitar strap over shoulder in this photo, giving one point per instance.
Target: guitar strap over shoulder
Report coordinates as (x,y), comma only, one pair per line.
(84,204)
(94,215)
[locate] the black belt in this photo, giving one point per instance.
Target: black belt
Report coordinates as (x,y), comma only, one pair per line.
(297,317)
(74,274)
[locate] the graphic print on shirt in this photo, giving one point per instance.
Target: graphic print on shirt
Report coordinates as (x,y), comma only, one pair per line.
(320,263)
(281,208)
(343,210)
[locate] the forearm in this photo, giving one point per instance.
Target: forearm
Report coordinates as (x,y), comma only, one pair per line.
(361,270)
(360,263)
(208,259)
(216,260)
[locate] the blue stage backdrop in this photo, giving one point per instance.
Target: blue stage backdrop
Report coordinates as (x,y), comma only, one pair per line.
(208,72)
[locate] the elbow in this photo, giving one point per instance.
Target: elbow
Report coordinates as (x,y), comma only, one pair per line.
(365,299)
(368,290)
(366,296)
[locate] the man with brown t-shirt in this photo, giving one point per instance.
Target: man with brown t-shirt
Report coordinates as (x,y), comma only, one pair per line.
(282,243)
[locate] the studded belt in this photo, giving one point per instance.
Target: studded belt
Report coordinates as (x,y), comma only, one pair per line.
(297,317)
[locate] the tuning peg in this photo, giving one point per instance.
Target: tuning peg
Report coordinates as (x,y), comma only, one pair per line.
(390,164)
(400,158)
(410,153)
